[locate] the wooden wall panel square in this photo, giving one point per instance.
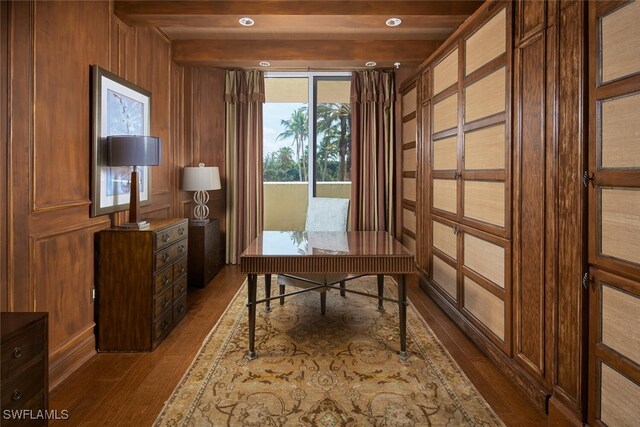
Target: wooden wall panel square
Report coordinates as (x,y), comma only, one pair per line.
(409,189)
(485,97)
(445,276)
(444,239)
(485,201)
(445,195)
(485,148)
(621,322)
(620,129)
(409,101)
(446,72)
(409,160)
(445,154)
(445,114)
(619,397)
(487,43)
(621,42)
(409,220)
(620,227)
(486,307)
(485,258)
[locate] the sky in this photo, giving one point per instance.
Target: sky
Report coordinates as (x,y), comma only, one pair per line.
(273,114)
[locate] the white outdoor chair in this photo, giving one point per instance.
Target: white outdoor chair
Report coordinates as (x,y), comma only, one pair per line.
(323,214)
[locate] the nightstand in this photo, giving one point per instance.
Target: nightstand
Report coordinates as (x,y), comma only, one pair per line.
(25,365)
(205,260)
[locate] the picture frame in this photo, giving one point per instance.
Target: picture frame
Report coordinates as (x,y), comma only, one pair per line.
(119,107)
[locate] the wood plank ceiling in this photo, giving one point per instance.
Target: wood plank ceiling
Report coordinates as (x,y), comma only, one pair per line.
(307,34)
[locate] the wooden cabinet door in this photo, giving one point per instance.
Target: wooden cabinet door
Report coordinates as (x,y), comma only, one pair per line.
(613,179)
(614,363)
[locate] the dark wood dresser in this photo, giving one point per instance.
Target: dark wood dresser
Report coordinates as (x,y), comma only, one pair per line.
(142,284)
(25,366)
(205,255)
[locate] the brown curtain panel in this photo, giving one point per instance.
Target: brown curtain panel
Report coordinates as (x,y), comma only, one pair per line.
(372,145)
(244,96)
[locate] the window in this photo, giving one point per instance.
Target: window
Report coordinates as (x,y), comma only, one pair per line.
(291,175)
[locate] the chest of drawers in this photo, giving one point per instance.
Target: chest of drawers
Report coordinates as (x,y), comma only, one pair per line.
(142,284)
(24,366)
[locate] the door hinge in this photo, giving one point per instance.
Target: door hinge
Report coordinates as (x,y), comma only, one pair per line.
(586,280)
(586,179)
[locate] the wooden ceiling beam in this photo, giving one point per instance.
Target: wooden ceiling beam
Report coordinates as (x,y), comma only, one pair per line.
(159,13)
(300,53)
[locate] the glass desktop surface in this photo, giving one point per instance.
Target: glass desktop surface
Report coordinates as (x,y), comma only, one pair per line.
(325,243)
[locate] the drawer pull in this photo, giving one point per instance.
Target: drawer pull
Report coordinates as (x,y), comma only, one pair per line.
(180,249)
(165,237)
(181,231)
(165,302)
(165,257)
(17,352)
(164,325)
(165,280)
(181,289)
(17,394)
(180,309)
(181,269)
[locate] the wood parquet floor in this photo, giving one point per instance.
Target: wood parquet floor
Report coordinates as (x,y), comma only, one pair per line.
(129,389)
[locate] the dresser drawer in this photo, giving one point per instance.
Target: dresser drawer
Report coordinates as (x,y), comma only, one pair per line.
(169,235)
(180,308)
(171,253)
(162,302)
(162,326)
(180,267)
(162,279)
(21,349)
(179,288)
(22,388)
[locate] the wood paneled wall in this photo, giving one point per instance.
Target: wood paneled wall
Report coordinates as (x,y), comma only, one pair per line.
(506,264)
(49,239)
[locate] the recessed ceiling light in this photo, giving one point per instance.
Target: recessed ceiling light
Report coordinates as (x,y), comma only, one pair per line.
(247,22)
(396,64)
(394,22)
(370,64)
(264,63)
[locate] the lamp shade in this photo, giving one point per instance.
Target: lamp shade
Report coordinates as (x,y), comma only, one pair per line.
(133,150)
(201,178)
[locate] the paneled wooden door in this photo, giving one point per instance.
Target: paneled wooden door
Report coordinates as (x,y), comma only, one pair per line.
(613,179)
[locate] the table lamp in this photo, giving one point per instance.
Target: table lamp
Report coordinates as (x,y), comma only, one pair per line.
(200,179)
(134,150)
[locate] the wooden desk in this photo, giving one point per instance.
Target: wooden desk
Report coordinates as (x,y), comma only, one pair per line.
(353,252)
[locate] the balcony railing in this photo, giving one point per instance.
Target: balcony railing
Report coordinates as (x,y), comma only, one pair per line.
(285,203)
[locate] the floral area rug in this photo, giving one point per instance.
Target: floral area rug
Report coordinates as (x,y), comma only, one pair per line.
(341,369)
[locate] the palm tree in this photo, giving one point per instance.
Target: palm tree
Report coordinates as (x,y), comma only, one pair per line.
(327,150)
(297,127)
(337,114)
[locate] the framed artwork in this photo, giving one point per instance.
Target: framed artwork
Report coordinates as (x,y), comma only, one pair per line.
(118,108)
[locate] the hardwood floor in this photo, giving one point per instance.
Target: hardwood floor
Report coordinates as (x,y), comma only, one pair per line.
(131,388)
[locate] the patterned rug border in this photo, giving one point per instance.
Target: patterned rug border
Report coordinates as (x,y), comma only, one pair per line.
(241,293)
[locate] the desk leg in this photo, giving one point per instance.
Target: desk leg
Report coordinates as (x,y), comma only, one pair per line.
(323,302)
(281,293)
(402,302)
(380,291)
(267,291)
(342,288)
(251,303)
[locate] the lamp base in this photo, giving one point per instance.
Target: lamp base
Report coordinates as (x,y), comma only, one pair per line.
(199,221)
(135,225)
